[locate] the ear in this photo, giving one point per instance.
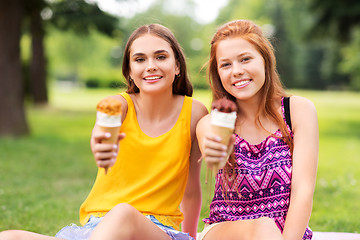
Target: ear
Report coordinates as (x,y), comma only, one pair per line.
(177,68)
(130,74)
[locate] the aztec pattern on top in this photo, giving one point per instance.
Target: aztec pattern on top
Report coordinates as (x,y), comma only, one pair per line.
(259,186)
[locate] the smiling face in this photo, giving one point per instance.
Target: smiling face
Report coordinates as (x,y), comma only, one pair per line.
(152,63)
(241,68)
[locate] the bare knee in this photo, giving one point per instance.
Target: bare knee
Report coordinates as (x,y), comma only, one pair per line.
(120,221)
(12,235)
(124,211)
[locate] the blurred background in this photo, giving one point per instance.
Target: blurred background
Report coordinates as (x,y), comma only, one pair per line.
(76,43)
(59,57)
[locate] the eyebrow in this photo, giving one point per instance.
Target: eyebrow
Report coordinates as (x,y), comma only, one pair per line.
(156,52)
(239,55)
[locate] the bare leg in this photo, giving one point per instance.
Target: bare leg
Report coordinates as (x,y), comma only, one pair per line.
(261,228)
(125,222)
(24,235)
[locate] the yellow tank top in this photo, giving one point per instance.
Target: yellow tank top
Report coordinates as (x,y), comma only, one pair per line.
(150,173)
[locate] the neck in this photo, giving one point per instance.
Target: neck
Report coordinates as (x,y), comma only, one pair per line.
(248,109)
(154,106)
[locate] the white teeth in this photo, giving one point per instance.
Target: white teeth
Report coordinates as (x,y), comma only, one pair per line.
(152,78)
(241,83)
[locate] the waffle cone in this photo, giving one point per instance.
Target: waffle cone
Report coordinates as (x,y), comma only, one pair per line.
(225,134)
(114,131)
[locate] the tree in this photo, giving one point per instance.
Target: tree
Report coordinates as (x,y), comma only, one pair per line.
(339,21)
(37,73)
(12,114)
(76,15)
(335,18)
(83,16)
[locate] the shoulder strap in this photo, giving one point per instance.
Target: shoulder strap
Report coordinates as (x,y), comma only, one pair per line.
(287,111)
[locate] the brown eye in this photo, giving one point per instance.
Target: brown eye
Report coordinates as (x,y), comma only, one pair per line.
(139,59)
(223,65)
(245,59)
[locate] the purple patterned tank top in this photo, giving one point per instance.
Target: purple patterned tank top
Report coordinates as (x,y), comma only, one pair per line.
(261,183)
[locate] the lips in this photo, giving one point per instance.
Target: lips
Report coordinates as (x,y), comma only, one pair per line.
(152,78)
(242,83)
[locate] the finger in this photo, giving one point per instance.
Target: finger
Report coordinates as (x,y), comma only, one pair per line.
(121,136)
(231,144)
(106,163)
(232,139)
(98,136)
(212,137)
(209,152)
(214,145)
(102,156)
(104,147)
(214,160)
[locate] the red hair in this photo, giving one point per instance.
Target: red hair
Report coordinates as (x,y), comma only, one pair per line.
(272,89)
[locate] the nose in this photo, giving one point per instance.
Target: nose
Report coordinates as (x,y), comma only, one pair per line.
(151,66)
(238,69)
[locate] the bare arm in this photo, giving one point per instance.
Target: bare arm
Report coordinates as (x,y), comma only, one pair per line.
(191,203)
(305,159)
(213,151)
(105,154)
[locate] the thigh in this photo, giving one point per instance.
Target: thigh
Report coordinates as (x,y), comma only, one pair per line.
(125,222)
(262,228)
(24,235)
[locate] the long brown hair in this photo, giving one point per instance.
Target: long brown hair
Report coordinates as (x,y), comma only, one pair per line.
(182,84)
(272,89)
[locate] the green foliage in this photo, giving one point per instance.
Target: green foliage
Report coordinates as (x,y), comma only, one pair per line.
(80,58)
(245,9)
(303,62)
(351,57)
(82,17)
(335,18)
(193,37)
(49,174)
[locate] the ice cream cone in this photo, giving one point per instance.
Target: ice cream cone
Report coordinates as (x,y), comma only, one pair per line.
(222,125)
(223,132)
(108,119)
(114,131)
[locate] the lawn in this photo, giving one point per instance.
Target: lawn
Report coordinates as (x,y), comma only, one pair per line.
(46,176)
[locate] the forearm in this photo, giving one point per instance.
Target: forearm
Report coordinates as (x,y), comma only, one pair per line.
(191,206)
(298,216)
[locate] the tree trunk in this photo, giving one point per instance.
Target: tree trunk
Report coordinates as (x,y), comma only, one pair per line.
(38,86)
(12,112)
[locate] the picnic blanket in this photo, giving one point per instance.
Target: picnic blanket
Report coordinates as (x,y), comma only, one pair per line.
(335,236)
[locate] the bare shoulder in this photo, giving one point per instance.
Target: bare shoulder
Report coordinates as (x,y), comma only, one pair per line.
(198,110)
(120,98)
(204,122)
(302,111)
(300,104)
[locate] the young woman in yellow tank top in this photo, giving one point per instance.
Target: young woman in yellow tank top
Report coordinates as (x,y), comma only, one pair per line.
(152,184)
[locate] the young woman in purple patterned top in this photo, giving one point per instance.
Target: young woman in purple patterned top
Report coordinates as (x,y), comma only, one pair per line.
(265,191)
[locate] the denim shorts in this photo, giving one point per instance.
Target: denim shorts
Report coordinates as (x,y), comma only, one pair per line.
(74,232)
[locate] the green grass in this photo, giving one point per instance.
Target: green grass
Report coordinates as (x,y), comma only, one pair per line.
(45,177)
(337,195)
